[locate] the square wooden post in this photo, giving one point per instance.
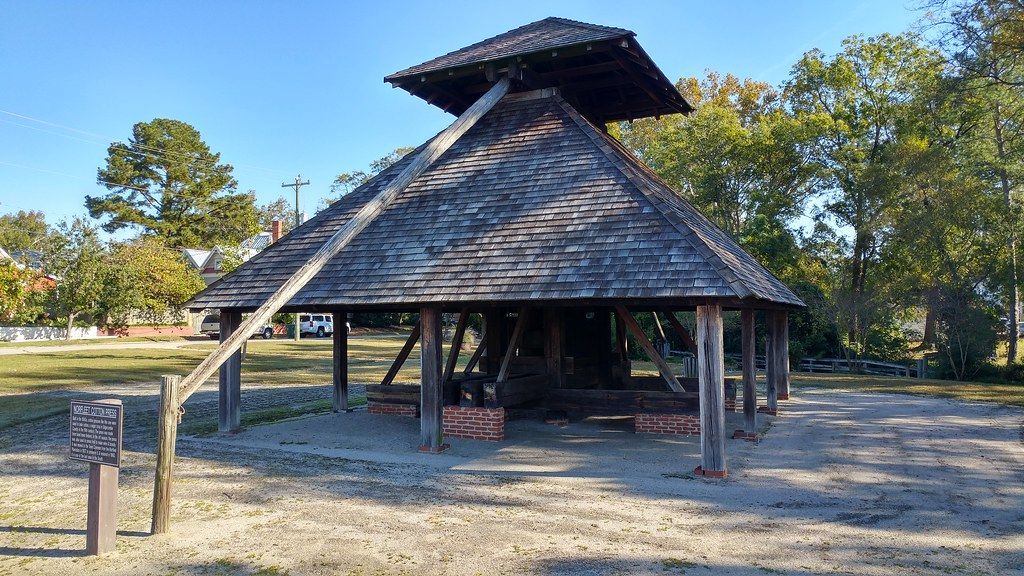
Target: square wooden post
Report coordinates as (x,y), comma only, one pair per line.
(494,333)
(711,381)
(749,351)
(782,354)
(229,409)
(431,395)
(553,346)
(340,372)
(770,381)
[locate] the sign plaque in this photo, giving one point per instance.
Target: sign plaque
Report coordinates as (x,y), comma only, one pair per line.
(96,439)
(96,432)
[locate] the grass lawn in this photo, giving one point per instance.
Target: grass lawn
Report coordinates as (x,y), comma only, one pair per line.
(80,341)
(287,363)
(268,363)
(1010,394)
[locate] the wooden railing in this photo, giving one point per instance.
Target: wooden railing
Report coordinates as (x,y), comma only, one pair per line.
(842,365)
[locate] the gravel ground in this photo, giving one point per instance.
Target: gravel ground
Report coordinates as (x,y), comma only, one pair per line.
(843,483)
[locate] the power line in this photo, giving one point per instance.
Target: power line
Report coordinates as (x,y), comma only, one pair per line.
(105,138)
(97,180)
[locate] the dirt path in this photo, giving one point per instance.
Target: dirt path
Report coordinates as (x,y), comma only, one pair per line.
(844,483)
(107,345)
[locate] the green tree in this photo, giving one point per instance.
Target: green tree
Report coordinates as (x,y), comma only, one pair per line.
(985,39)
(76,258)
(349,181)
(858,104)
(166,182)
(22,230)
(146,280)
(14,290)
(280,210)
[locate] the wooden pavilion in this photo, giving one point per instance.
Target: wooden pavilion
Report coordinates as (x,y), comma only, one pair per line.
(531,215)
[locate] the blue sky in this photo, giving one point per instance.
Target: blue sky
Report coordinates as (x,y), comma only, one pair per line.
(296,87)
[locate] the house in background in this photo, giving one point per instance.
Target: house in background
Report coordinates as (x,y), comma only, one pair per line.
(209,263)
(30,260)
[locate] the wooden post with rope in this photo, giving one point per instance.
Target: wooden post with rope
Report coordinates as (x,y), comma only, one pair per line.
(166,436)
(171,400)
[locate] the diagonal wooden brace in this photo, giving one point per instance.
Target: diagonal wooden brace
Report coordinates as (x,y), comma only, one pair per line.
(433,150)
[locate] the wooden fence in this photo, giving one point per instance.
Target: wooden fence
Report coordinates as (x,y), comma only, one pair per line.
(841,365)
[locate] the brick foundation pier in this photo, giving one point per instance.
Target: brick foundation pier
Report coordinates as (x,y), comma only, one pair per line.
(680,424)
(473,423)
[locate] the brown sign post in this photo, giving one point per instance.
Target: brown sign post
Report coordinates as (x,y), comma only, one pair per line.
(96,438)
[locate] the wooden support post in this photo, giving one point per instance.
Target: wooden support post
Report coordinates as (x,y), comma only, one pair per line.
(166,436)
(553,331)
(430,381)
(682,332)
(770,381)
(666,371)
(340,372)
(494,334)
(748,348)
(402,355)
(782,354)
(453,352)
(710,377)
(517,335)
(621,340)
(603,325)
(229,413)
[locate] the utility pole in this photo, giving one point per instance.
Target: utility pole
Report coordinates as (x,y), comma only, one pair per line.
(297,184)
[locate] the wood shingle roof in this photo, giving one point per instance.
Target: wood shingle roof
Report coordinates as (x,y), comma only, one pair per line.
(534,203)
(600,70)
(547,34)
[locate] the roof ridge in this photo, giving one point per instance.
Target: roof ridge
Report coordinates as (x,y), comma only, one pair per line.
(601,141)
(588,25)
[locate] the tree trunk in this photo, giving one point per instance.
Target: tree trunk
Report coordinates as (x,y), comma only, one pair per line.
(928,340)
(1013,293)
(71,323)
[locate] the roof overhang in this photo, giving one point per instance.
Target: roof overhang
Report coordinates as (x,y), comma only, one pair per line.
(607,80)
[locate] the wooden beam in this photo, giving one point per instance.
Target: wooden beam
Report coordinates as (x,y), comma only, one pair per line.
(711,382)
(340,362)
(621,340)
(640,80)
(431,396)
(494,334)
(666,371)
(748,346)
(476,355)
(782,354)
(517,335)
(553,346)
(423,160)
(402,355)
(657,326)
(229,408)
(771,381)
(681,331)
(453,353)
(598,68)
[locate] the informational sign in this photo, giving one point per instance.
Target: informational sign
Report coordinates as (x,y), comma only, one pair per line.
(96,432)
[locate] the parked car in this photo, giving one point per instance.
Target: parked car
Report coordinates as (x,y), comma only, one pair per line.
(319,324)
(211,327)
